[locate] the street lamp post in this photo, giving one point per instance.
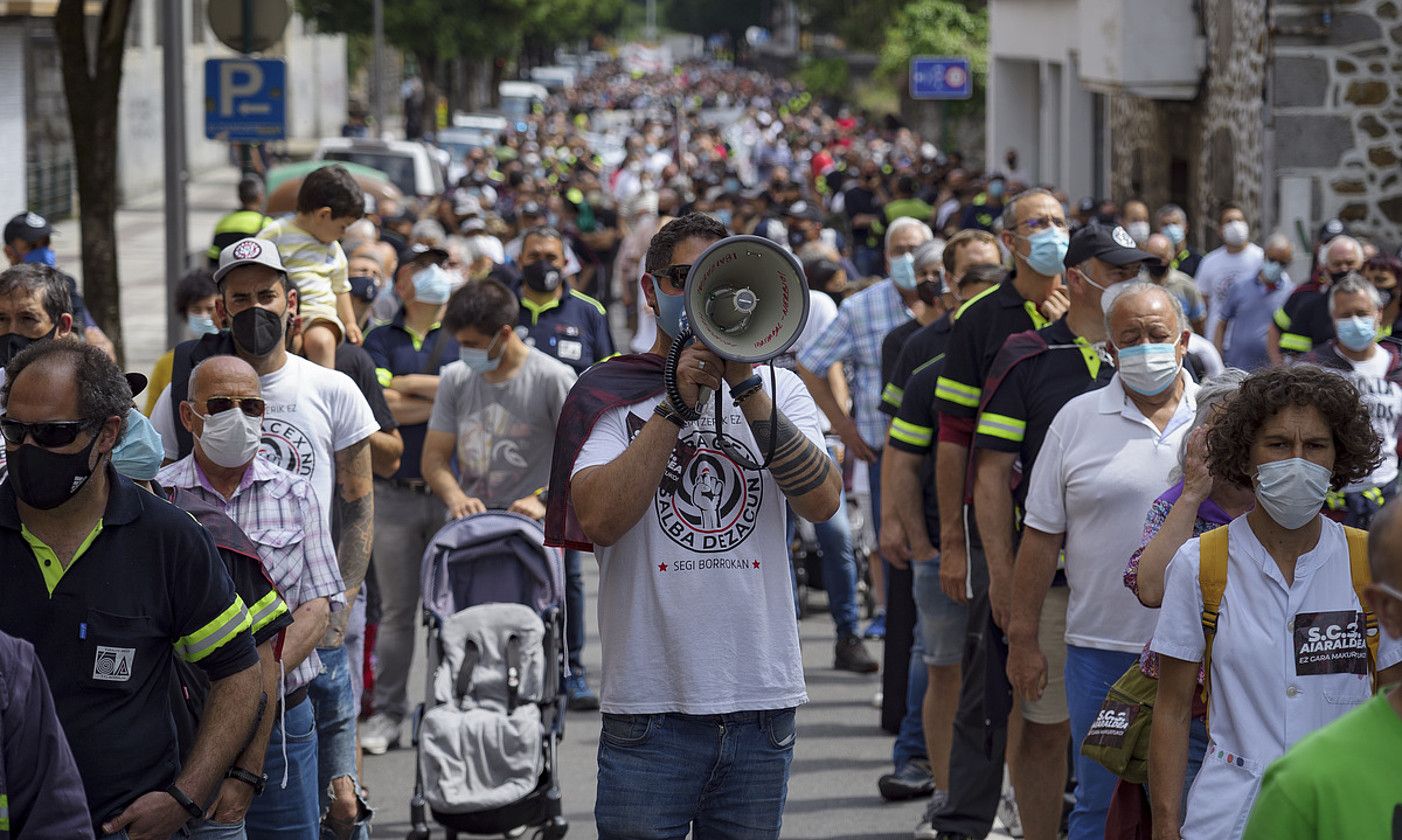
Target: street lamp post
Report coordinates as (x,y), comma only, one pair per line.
(173,72)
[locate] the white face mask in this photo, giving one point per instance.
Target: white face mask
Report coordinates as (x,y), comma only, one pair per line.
(230,438)
(1234,233)
(1292,491)
(1148,369)
(1138,231)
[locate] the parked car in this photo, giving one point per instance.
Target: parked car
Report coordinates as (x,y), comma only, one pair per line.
(519,99)
(413,167)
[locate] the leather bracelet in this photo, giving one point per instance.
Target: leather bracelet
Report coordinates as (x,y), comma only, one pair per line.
(257,781)
(746,389)
(191,808)
(666,412)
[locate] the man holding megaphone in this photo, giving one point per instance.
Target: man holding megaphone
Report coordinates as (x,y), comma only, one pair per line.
(684,510)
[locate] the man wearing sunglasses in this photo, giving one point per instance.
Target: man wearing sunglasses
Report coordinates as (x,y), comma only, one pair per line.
(109,584)
(279,512)
(318,425)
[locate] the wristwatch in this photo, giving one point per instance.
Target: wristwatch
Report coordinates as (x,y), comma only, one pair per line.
(257,781)
(193,809)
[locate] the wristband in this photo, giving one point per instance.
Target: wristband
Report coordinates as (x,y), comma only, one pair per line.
(666,412)
(185,802)
(746,389)
(257,781)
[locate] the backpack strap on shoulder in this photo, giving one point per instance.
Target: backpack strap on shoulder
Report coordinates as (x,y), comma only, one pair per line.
(1362,575)
(471,655)
(1212,580)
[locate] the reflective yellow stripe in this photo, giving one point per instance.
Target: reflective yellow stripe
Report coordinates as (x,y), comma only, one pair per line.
(384,376)
(5,812)
(957,392)
(1281,319)
(911,434)
(976,298)
(1295,343)
(575,293)
(1334,500)
(1002,426)
(267,610)
(212,636)
(891,395)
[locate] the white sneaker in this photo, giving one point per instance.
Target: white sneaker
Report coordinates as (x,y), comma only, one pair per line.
(379,734)
(1007,812)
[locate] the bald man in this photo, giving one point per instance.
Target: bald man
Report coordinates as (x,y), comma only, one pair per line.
(279,512)
(1303,322)
(1343,780)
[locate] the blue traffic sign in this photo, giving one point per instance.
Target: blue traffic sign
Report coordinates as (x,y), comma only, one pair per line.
(245,99)
(940,78)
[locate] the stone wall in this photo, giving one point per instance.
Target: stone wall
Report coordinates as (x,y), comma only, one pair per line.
(1337,109)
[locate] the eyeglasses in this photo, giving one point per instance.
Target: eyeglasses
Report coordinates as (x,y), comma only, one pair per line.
(50,435)
(1044,222)
(252,406)
(675,275)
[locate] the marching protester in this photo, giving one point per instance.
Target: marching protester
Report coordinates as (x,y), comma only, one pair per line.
(1280,578)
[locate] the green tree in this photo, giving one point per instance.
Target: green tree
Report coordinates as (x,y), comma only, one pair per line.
(941,28)
(92,80)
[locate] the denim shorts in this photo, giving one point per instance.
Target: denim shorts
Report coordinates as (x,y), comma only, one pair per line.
(943,623)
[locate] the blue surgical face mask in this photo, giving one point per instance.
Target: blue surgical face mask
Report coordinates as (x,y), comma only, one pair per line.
(903,272)
(995,189)
(1271,270)
(139,453)
(201,324)
(723,216)
(1292,491)
(1357,332)
(432,285)
(1048,251)
(671,311)
(1148,369)
(1174,232)
(480,361)
(41,256)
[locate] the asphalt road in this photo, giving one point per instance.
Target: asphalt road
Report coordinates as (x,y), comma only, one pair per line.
(832,791)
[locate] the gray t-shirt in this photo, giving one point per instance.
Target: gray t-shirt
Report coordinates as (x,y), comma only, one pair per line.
(506,431)
(696,609)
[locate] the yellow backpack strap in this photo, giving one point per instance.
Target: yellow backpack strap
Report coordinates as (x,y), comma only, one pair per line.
(1362,576)
(1212,580)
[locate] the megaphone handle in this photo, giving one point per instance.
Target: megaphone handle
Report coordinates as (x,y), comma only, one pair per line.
(737,456)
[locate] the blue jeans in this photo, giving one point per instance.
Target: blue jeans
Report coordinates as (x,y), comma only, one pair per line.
(291,812)
(336,711)
(355,647)
(574,609)
(720,777)
(210,830)
(1089,675)
(910,741)
(839,566)
(1197,749)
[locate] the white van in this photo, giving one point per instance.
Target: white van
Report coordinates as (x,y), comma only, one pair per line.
(519,99)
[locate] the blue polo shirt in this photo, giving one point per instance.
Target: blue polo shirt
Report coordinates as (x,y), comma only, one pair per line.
(399,351)
(573,328)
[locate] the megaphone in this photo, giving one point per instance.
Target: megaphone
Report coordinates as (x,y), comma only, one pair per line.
(746,300)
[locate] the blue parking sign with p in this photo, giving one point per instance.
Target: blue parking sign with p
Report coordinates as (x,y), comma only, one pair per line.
(940,78)
(245,99)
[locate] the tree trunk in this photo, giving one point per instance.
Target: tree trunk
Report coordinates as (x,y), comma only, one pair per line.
(91,86)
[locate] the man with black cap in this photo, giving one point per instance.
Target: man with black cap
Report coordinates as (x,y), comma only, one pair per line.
(805,223)
(318,425)
(409,352)
(26,240)
(1032,378)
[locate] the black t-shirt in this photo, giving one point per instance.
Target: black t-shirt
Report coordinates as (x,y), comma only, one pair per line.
(1033,377)
(913,430)
(353,361)
(923,345)
(149,586)
(858,201)
(983,323)
(1304,319)
(891,347)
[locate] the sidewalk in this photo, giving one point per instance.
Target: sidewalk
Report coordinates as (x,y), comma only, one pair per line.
(141,257)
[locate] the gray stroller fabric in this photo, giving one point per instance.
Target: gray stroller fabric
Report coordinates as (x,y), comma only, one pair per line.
(481,741)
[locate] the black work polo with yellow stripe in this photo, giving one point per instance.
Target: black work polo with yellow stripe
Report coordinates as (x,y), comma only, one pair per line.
(573,329)
(982,325)
(145,586)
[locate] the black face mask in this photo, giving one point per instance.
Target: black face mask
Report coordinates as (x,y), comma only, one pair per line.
(12,343)
(1157,272)
(44,479)
(541,276)
(1336,276)
(929,291)
(257,331)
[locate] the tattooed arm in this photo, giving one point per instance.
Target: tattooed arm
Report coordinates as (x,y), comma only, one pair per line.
(355,513)
(802,469)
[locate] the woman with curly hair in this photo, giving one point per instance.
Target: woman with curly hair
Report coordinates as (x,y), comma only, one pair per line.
(1290,434)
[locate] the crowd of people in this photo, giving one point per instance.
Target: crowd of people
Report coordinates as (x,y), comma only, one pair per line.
(1088,450)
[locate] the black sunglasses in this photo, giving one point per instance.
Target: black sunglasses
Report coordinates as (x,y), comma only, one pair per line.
(50,435)
(675,275)
(252,406)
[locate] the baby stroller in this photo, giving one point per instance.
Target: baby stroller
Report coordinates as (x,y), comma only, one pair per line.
(487,735)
